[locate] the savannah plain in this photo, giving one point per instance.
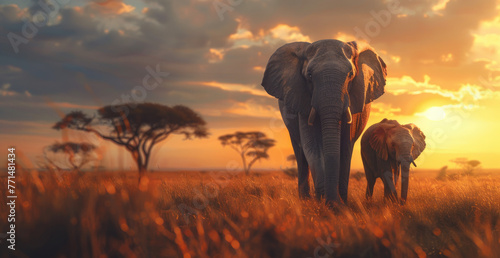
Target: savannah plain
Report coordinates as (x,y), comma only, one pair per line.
(229,214)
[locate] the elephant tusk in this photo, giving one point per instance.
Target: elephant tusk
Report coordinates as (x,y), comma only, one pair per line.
(312,116)
(349,115)
(413,162)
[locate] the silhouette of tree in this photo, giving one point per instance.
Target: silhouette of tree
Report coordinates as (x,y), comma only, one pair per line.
(358,175)
(443,174)
(468,166)
(68,155)
(292,159)
(248,144)
(140,128)
(291,171)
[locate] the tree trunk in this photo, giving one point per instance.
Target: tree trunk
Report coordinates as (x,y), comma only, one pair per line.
(141,166)
(247,169)
(250,164)
(140,170)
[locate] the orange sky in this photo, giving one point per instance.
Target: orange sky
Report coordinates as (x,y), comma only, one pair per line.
(442,60)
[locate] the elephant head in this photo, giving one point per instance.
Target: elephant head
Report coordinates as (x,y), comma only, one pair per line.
(330,80)
(400,143)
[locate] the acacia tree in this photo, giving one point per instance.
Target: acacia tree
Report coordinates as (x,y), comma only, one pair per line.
(138,129)
(468,166)
(248,144)
(68,155)
(292,159)
(291,171)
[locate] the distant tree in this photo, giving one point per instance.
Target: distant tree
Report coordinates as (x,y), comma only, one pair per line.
(358,175)
(138,129)
(248,144)
(67,156)
(292,159)
(442,175)
(468,166)
(291,171)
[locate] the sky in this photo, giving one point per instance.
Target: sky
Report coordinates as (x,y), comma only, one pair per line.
(59,56)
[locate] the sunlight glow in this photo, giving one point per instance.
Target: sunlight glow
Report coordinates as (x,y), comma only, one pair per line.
(435,113)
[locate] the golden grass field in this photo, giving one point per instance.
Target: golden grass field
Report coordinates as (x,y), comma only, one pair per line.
(217,214)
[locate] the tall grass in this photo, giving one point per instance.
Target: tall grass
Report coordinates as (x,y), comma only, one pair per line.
(202,215)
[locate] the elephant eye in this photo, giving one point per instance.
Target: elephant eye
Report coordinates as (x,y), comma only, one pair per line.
(309,75)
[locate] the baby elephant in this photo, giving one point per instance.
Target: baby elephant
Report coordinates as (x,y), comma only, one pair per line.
(387,148)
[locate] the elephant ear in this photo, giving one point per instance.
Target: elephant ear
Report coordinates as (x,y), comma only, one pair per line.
(369,82)
(283,77)
(378,138)
(418,140)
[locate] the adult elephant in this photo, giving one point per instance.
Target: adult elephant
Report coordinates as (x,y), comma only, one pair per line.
(333,83)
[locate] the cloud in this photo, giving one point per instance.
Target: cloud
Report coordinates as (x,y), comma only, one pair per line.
(486,44)
(252,108)
(440,112)
(215,55)
(467,92)
(71,105)
(288,34)
(383,109)
(244,39)
(440,6)
(27,128)
(276,36)
(4,91)
(166,35)
(7,93)
(407,96)
(111,6)
(236,87)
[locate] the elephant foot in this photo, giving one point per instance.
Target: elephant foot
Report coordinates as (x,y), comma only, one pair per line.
(391,199)
(304,196)
(319,195)
(343,199)
(335,206)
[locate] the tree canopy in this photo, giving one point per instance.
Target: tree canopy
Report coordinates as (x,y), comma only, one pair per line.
(68,155)
(468,166)
(248,144)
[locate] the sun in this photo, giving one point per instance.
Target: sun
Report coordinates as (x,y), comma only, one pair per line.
(435,113)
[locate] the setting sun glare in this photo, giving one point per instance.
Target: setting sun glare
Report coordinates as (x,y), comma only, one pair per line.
(434,114)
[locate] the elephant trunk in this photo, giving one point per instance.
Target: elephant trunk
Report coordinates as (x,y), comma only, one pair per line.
(405,176)
(330,117)
(330,128)
(312,117)
(329,101)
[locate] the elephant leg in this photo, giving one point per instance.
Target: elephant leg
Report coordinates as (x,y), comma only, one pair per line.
(389,188)
(345,160)
(370,173)
(312,148)
(303,170)
(369,187)
(397,171)
(317,169)
(291,121)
